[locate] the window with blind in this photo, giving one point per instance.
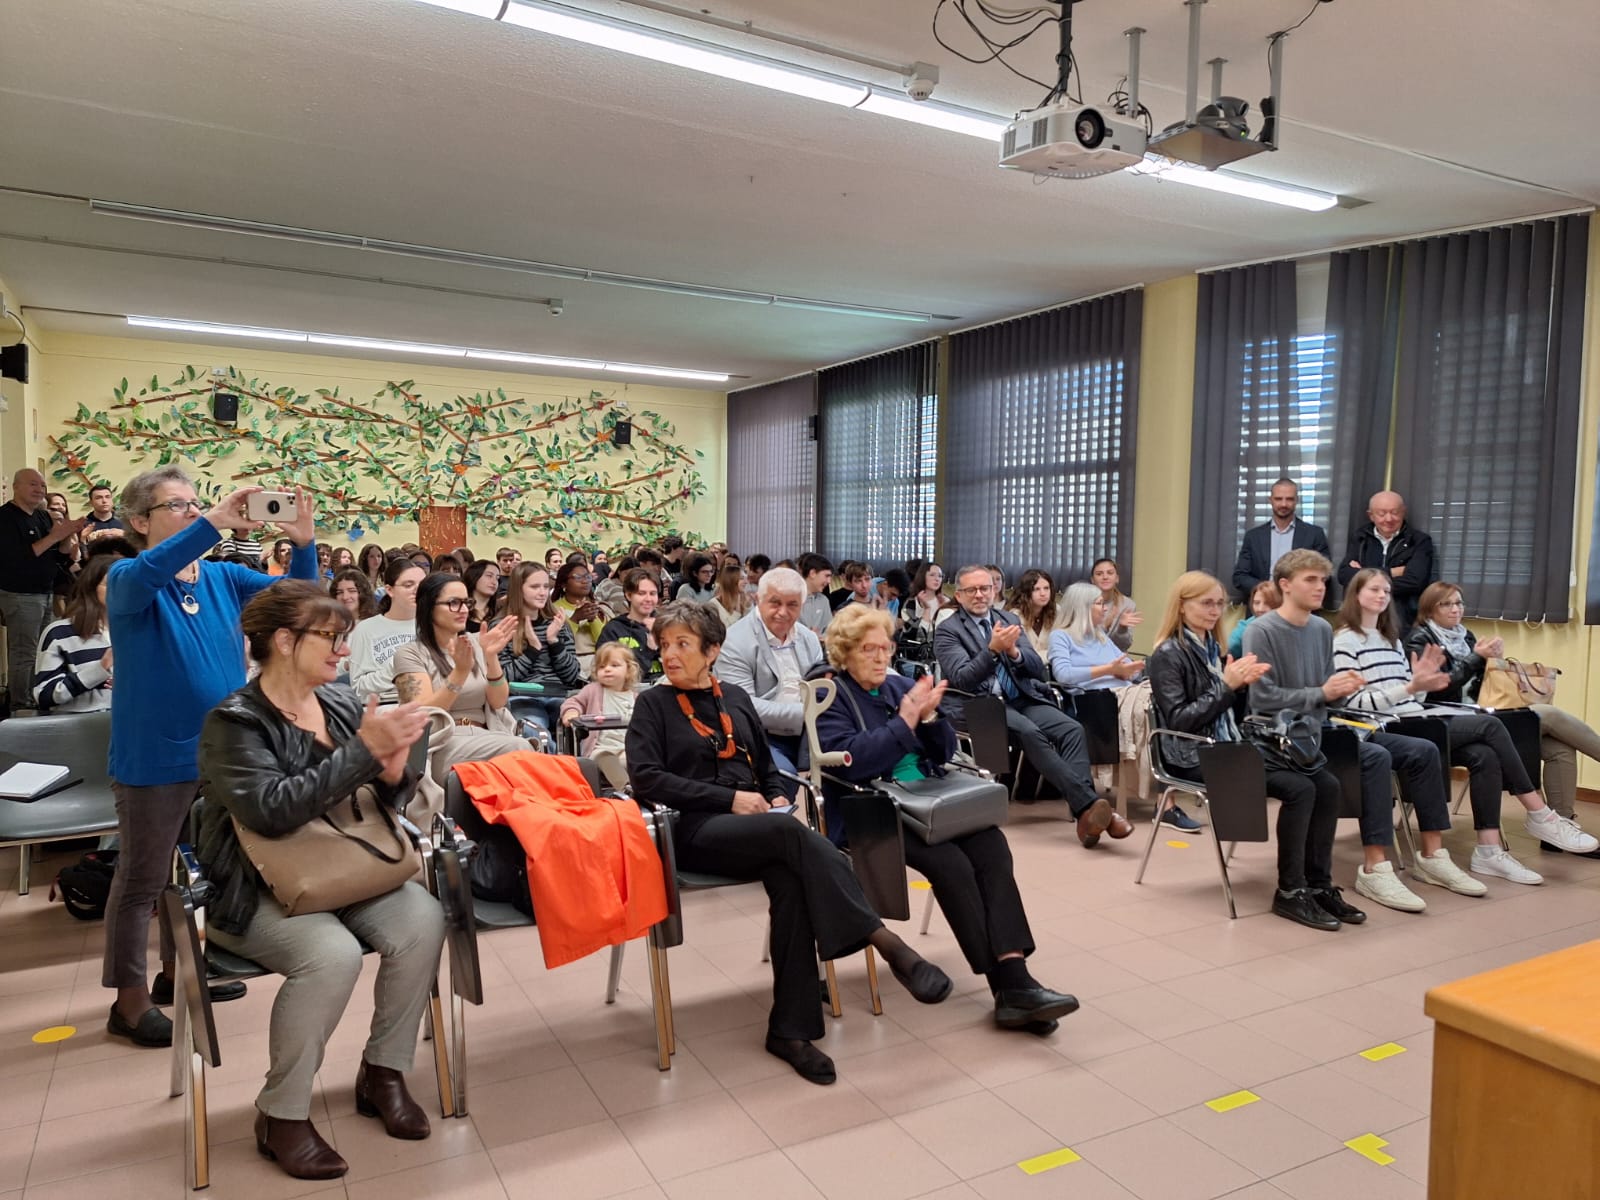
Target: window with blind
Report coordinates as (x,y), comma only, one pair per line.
(772,468)
(1039,445)
(877,457)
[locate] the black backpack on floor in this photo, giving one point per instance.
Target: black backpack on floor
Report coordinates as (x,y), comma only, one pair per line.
(86,885)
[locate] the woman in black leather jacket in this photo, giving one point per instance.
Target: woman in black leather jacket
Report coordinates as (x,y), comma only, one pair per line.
(1194,688)
(275,755)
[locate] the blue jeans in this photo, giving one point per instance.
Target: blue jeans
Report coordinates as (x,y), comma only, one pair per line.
(785,751)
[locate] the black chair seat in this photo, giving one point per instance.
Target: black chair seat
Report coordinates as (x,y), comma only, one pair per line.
(694,879)
(225,964)
(496,914)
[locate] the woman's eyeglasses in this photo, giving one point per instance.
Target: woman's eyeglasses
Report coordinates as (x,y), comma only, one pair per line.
(176,507)
(455,605)
(337,639)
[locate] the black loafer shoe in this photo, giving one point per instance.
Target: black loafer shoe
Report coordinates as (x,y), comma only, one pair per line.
(1333,904)
(1042,1028)
(808,1062)
(221,993)
(153,1028)
(1016,1008)
(924,981)
(1300,907)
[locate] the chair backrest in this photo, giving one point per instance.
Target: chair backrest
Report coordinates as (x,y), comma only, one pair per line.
(1096,710)
(1342,748)
(1429,729)
(1236,791)
(986,726)
(80,742)
(1523,726)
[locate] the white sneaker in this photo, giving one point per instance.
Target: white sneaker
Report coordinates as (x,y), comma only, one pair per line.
(1498,861)
(1564,833)
(1438,869)
(1382,885)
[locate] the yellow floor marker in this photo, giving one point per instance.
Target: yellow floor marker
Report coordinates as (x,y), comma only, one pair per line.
(1179,845)
(1231,1101)
(1370,1145)
(1049,1162)
(1379,1053)
(921,885)
(56,1033)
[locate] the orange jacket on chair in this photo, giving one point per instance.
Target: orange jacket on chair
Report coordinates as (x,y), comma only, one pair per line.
(593,868)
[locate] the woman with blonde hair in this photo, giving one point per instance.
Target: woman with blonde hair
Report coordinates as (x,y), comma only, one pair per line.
(1195,690)
(1264,598)
(542,649)
(616,674)
(732,600)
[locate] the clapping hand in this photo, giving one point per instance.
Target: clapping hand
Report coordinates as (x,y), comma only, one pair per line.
(1126,668)
(1490,648)
(1427,670)
(1004,639)
(1345,683)
(1242,672)
(496,637)
(461,653)
(552,631)
(1130,618)
(390,735)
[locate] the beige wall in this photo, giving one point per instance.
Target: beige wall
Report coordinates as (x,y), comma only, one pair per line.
(78,369)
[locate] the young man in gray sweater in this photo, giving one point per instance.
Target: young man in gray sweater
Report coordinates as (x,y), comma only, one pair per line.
(1299,645)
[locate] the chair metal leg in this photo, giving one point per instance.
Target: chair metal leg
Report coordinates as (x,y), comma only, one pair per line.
(615,975)
(1155,832)
(766,942)
(196,1127)
(1461,795)
(1232,846)
(1222,859)
(872,982)
(833,989)
(441,1052)
(22,869)
(182,1043)
(458,1053)
(666,991)
(927,912)
(1406,837)
(658,1002)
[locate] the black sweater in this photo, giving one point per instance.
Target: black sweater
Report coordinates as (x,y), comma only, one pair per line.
(672,765)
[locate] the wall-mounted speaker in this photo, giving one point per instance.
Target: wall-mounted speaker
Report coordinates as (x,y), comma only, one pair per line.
(14,362)
(622,434)
(225,408)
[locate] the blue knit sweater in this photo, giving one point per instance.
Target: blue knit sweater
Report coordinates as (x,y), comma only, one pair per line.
(173,667)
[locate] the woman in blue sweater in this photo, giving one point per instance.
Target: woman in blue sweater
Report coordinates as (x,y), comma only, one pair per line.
(174,619)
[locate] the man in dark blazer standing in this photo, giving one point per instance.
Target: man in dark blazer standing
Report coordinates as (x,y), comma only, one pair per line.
(1388,541)
(1266,544)
(981,650)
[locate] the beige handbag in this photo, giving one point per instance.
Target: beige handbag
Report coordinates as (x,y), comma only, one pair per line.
(353,852)
(1508,683)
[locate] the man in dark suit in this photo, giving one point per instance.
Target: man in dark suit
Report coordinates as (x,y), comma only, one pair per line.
(1388,541)
(981,650)
(1267,543)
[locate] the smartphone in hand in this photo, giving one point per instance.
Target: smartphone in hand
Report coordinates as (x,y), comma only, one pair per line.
(278,507)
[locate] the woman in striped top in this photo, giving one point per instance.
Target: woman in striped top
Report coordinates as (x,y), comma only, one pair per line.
(73,671)
(1367,640)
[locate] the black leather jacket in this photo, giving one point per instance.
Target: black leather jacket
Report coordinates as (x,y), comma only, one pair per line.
(256,766)
(1188,698)
(1466,674)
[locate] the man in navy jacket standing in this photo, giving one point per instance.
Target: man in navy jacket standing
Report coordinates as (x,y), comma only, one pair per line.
(1268,542)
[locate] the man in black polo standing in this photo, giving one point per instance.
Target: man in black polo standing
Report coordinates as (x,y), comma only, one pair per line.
(29,560)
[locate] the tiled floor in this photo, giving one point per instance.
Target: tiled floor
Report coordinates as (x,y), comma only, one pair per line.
(1181,1007)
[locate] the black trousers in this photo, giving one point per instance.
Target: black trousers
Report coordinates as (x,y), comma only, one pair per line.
(976,889)
(1481,744)
(1415,762)
(1053,742)
(816,903)
(1308,815)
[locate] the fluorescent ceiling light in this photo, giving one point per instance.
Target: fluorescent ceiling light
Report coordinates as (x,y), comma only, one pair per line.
(474,8)
(936,115)
(1235,184)
(679,51)
(215,329)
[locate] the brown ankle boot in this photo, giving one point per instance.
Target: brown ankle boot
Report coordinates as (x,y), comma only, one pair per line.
(381,1092)
(298,1148)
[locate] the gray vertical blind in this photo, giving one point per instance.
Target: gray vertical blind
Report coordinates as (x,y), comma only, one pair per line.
(877,457)
(1487,405)
(772,468)
(1041,415)
(1246,420)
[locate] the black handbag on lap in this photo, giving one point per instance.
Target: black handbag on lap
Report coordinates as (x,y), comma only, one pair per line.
(1290,741)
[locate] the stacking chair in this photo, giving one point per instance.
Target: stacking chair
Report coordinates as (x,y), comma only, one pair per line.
(445,854)
(83,808)
(1233,793)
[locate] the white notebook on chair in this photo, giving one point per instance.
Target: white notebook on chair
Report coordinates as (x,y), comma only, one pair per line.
(27,780)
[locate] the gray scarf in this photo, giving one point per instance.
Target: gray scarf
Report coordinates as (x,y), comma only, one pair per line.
(1224,728)
(1454,641)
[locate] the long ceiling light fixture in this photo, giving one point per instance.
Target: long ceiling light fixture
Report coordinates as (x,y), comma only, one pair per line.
(628,37)
(433,349)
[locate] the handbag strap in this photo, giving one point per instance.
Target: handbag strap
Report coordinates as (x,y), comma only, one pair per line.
(362,842)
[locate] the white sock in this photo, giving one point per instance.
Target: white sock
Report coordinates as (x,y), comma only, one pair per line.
(1485,850)
(1543,814)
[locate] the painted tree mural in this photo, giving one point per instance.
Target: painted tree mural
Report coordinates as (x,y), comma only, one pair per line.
(515,465)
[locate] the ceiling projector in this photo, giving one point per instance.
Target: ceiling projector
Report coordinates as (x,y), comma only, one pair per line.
(1071,141)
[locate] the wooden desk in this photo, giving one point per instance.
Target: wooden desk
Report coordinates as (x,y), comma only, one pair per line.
(1516,1081)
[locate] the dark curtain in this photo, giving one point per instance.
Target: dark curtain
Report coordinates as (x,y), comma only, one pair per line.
(1361,338)
(1245,417)
(877,457)
(772,468)
(1039,444)
(1487,405)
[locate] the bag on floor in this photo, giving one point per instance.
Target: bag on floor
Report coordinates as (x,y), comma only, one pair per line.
(85,886)
(1508,683)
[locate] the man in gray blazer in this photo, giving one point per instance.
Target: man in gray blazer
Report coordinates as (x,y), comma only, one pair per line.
(981,651)
(768,653)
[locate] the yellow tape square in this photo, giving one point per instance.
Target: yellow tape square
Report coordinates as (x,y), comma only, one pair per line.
(1232,1101)
(1048,1162)
(1179,845)
(1379,1053)
(921,885)
(1370,1145)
